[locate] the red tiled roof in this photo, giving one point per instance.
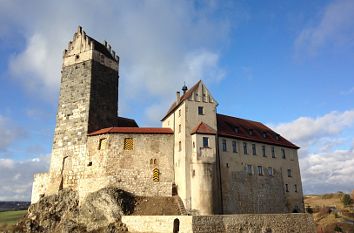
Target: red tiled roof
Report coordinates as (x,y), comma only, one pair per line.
(133,130)
(240,128)
(203,128)
(175,105)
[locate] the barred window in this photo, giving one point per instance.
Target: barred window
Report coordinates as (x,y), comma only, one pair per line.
(128,144)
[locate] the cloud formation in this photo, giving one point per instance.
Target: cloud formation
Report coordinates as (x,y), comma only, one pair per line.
(161,43)
(16,177)
(326,155)
(335,27)
(9,132)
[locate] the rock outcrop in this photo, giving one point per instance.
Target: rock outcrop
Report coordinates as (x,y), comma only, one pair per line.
(100,212)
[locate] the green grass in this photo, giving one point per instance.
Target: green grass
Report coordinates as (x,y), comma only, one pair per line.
(11,217)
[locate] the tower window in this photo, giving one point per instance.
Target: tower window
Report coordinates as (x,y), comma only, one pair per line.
(179,128)
(234,146)
(295,187)
(286,188)
(179,146)
(200,110)
(245,148)
(254,151)
(205,142)
(224,147)
(128,144)
(179,112)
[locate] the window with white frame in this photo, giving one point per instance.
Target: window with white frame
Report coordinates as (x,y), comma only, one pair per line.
(283,153)
(234,146)
(249,169)
(273,152)
(264,151)
(289,173)
(254,150)
(245,148)
(205,142)
(224,147)
(270,171)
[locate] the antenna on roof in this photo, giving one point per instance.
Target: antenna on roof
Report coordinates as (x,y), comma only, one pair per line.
(184,88)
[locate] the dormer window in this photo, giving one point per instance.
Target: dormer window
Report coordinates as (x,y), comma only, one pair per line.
(236,130)
(277,137)
(250,132)
(264,134)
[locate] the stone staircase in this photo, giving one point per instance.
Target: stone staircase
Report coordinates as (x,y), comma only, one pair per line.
(180,205)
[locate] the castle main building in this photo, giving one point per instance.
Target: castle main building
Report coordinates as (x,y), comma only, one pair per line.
(216,164)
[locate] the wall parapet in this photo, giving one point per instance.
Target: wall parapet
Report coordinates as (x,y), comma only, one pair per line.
(264,223)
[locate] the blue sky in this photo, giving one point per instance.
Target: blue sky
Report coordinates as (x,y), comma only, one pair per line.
(289,64)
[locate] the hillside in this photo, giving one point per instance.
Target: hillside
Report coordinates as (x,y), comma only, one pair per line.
(330,213)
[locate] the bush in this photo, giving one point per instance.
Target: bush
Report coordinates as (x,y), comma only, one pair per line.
(346,200)
(338,229)
(309,210)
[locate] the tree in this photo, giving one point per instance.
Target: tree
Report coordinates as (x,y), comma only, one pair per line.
(353,194)
(346,200)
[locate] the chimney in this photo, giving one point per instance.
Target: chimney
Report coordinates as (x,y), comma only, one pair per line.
(178,95)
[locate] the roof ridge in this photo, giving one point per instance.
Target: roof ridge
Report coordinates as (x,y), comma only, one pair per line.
(185,96)
(240,118)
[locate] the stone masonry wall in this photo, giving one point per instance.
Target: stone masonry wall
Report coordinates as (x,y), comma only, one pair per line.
(251,223)
(104,97)
(243,193)
(39,186)
(131,170)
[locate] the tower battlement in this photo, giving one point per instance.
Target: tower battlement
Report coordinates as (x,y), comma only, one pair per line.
(83,48)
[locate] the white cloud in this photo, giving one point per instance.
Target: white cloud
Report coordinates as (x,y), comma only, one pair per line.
(328,172)
(160,43)
(9,132)
(335,27)
(16,177)
(306,130)
(326,156)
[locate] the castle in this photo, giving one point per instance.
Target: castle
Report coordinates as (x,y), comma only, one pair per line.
(216,164)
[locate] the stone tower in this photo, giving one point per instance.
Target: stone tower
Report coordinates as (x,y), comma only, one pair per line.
(88,101)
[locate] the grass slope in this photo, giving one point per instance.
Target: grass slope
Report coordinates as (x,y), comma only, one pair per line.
(11,217)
